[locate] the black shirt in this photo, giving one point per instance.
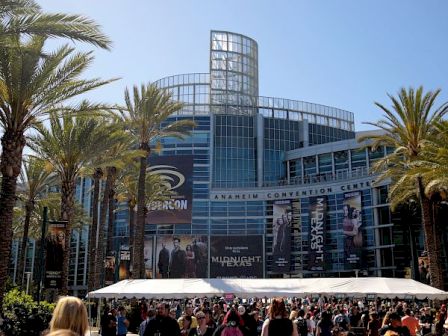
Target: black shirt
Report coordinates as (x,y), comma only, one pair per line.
(162,326)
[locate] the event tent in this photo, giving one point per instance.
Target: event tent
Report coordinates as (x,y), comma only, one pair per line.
(246,288)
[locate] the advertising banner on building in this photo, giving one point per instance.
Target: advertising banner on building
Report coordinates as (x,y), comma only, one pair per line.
(318,217)
(177,173)
(55,248)
(109,269)
(125,262)
(236,257)
(351,227)
(281,236)
(148,255)
(182,256)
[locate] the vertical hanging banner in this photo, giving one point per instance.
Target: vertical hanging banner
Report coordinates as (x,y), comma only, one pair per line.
(125,262)
(281,236)
(55,248)
(351,227)
(109,269)
(318,215)
(177,173)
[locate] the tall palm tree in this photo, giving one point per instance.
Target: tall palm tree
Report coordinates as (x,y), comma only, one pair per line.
(156,189)
(26,17)
(146,117)
(32,84)
(69,144)
(407,126)
(34,180)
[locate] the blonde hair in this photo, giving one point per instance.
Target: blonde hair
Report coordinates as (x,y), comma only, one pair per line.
(70,313)
(62,332)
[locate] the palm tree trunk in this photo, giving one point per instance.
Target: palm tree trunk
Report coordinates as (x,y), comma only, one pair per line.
(138,261)
(435,270)
(131,206)
(11,161)
(99,267)
(29,207)
(93,243)
(112,172)
(67,210)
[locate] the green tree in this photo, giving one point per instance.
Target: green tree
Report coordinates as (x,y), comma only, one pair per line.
(25,17)
(32,83)
(407,126)
(146,117)
(35,178)
(69,144)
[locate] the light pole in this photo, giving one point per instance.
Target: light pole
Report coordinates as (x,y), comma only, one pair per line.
(28,278)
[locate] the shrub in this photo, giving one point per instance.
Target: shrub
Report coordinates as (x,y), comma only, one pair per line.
(22,315)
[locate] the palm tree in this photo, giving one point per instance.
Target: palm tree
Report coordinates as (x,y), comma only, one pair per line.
(34,180)
(127,189)
(32,83)
(146,117)
(69,144)
(407,126)
(25,17)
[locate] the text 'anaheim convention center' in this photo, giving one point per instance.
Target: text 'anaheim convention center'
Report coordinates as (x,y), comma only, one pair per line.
(266,187)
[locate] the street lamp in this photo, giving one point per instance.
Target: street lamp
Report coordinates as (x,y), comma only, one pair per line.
(28,278)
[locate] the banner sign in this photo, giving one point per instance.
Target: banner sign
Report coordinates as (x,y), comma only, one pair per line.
(236,256)
(148,255)
(182,256)
(109,269)
(177,173)
(125,262)
(318,217)
(351,228)
(281,236)
(55,248)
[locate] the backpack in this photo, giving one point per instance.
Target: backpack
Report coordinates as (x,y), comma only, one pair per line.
(302,326)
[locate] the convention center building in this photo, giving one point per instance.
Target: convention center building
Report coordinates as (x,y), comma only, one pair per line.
(265,188)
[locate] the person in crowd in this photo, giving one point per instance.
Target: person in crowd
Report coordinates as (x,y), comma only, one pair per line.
(374,325)
(293,314)
(410,322)
(278,322)
(70,313)
(300,321)
(249,322)
(162,324)
(188,312)
(311,324)
(232,325)
(354,316)
(150,314)
(338,331)
(325,325)
(186,329)
(216,311)
(209,319)
(341,319)
(438,324)
(395,326)
(426,321)
(122,322)
(203,328)
(173,313)
(386,319)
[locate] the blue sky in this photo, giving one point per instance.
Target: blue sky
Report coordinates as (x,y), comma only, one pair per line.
(342,53)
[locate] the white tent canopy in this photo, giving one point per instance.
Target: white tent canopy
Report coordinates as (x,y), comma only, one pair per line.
(246,288)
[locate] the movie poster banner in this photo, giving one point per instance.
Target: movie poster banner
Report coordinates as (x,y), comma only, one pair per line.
(351,228)
(318,216)
(125,263)
(236,256)
(109,269)
(183,256)
(177,173)
(281,236)
(148,255)
(55,247)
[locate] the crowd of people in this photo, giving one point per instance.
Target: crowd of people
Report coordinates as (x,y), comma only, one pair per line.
(258,317)
(279,316)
